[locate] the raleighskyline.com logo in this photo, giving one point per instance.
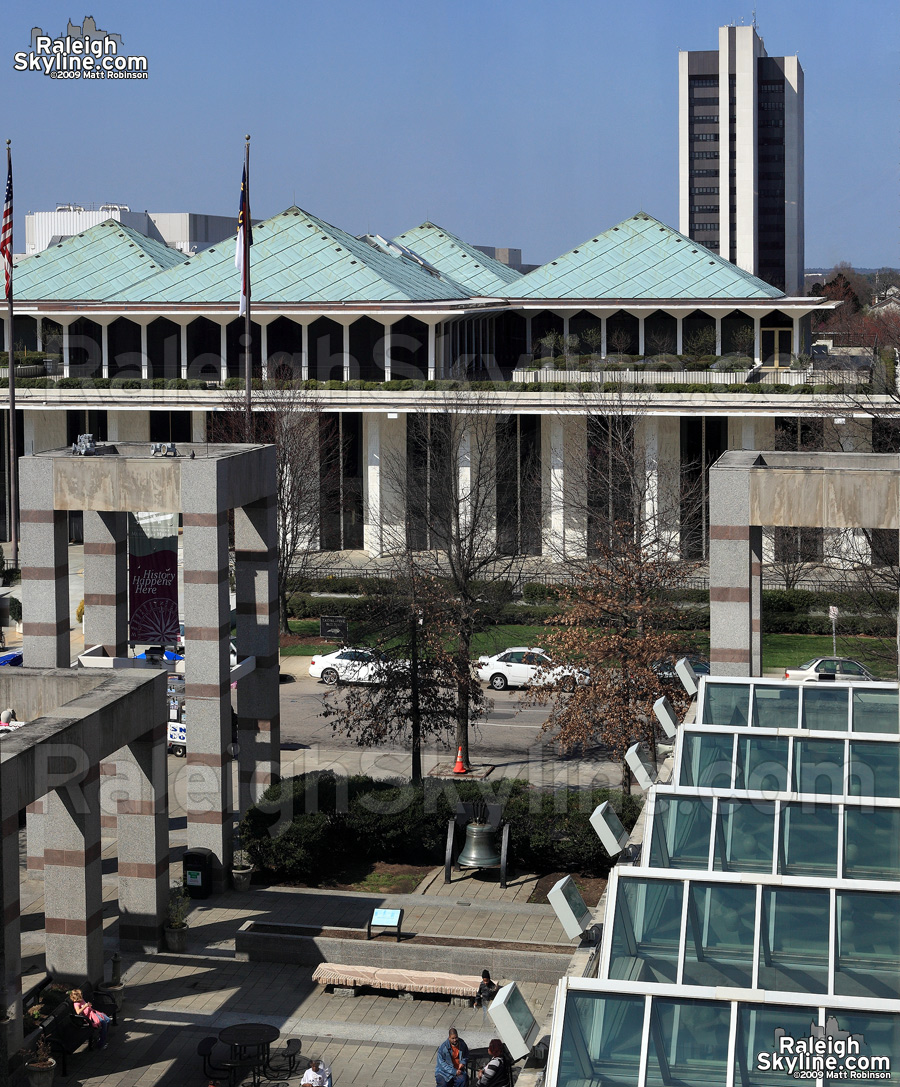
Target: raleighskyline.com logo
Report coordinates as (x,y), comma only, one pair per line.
(826,1051)
(83,52)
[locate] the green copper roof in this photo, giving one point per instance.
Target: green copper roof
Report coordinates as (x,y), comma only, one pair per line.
(461,262)
(296,258)
(640,258)
(97,263)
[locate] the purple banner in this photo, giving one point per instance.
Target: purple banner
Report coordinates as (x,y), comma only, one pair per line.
(153,578)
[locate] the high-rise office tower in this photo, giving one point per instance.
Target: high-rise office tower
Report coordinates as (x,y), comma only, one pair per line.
(740,139)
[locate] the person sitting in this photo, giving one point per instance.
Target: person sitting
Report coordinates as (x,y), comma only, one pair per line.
(313,1075)
(452,1061)
(496,1072)
(487,990)
(98,1020)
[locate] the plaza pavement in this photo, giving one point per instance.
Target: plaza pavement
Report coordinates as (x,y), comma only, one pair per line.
(173,1001)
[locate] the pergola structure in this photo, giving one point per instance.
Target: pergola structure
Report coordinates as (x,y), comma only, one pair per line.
(204,483)
(749,491)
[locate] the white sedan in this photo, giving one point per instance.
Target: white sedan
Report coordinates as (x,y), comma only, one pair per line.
(348,666)
(830,668)
(523,666)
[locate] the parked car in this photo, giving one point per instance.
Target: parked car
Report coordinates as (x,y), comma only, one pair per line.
(524,666)
(665,668)
(828,669)
(350,665)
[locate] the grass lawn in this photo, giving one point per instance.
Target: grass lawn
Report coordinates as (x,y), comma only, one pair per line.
(790,650)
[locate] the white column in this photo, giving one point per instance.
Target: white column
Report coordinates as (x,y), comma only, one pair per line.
(184,348)
(104,349)
(387,350)
(679,334)
(345,348)
(44,430)
(718,321)
(128,426)
(198,426)
(39,328)
(528,345)
(264,348)
(432,351)
(65,348)
(641,320)
(372,483)
(145,361)
(553,442)
(757,344)
(796,337)
(603,348)
(304,351)
(223,352)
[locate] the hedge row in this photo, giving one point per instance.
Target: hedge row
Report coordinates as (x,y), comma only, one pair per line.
(309,827)
(805,600)
(791,623)
(362,608)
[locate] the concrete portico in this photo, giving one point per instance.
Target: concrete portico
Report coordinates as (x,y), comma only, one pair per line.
(76,719)
(749,491)
(123,478)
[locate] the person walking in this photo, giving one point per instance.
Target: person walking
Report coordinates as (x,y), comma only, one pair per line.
(487,990)
(452,1061)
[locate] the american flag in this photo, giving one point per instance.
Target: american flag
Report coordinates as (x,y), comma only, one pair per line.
(243,224)
(7,230)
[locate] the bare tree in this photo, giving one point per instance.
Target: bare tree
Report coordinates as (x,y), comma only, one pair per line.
(290,418)
(471,514)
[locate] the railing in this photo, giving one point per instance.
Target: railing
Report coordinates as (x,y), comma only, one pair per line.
(637,377)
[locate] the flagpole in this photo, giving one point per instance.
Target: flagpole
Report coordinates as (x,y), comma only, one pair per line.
(248,341)
(11,370)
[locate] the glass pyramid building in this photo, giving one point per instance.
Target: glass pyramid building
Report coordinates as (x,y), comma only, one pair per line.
(756,939)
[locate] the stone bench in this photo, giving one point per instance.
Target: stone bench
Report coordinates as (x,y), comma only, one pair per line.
(346,980)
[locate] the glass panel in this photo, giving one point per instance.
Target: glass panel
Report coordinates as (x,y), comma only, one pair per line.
(726,703)
(688,1043)
(646,931)
(819,767)
(872,844)
(825,708)
(762,764)
(809,840)
(707,759)
(681,833)
(874,769)
(601,1039)
(519,1012)
(875,711)
(720,931)
(756,1026)
(793,953)
(868,945)
(776,707)
(745,833)
(878,1036)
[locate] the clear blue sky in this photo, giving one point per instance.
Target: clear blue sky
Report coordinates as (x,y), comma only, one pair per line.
(530,123)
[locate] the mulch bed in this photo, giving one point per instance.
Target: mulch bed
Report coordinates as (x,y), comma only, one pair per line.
(591,887)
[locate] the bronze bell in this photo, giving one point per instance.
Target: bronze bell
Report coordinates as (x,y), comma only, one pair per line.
(480,850)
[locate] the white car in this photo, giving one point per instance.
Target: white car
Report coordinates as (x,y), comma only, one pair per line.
(524,666)
(830,668)
(349,666)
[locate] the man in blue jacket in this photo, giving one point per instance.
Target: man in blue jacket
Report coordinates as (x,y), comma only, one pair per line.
(452,1061)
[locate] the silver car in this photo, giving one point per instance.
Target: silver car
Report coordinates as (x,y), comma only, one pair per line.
(828,669)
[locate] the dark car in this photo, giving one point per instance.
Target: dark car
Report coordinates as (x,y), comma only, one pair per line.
(665,668)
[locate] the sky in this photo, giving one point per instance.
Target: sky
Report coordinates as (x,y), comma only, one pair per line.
(526,123)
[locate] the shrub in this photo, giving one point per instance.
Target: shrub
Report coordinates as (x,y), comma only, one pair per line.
(79,612)
(15,609)
(535,593)
(325,822)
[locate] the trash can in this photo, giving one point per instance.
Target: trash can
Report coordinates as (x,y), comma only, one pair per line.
(198,871)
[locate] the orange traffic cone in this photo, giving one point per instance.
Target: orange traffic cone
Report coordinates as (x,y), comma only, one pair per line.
(460,767)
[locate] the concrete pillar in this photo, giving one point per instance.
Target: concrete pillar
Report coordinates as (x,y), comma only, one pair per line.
(258,706)
(718,321)
(679,334)
(198,426)
(603,347)
(207,633)
(223,352)
(432,350)
(44,430)
(65,347)
(641,320)
(145,357)
(387,351)
(384,483)
(372,483)
(106,582)
(39,332)
(73,899)
(45,568)
(553,486)
(345,350)
(795,337)
(264,348)
(658,443)
(11,1000)
(141,801)
(757,341)
(735,572)
(304,351)
(528,346)
(128,426)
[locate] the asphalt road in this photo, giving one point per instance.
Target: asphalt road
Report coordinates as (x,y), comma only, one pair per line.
(511,739)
